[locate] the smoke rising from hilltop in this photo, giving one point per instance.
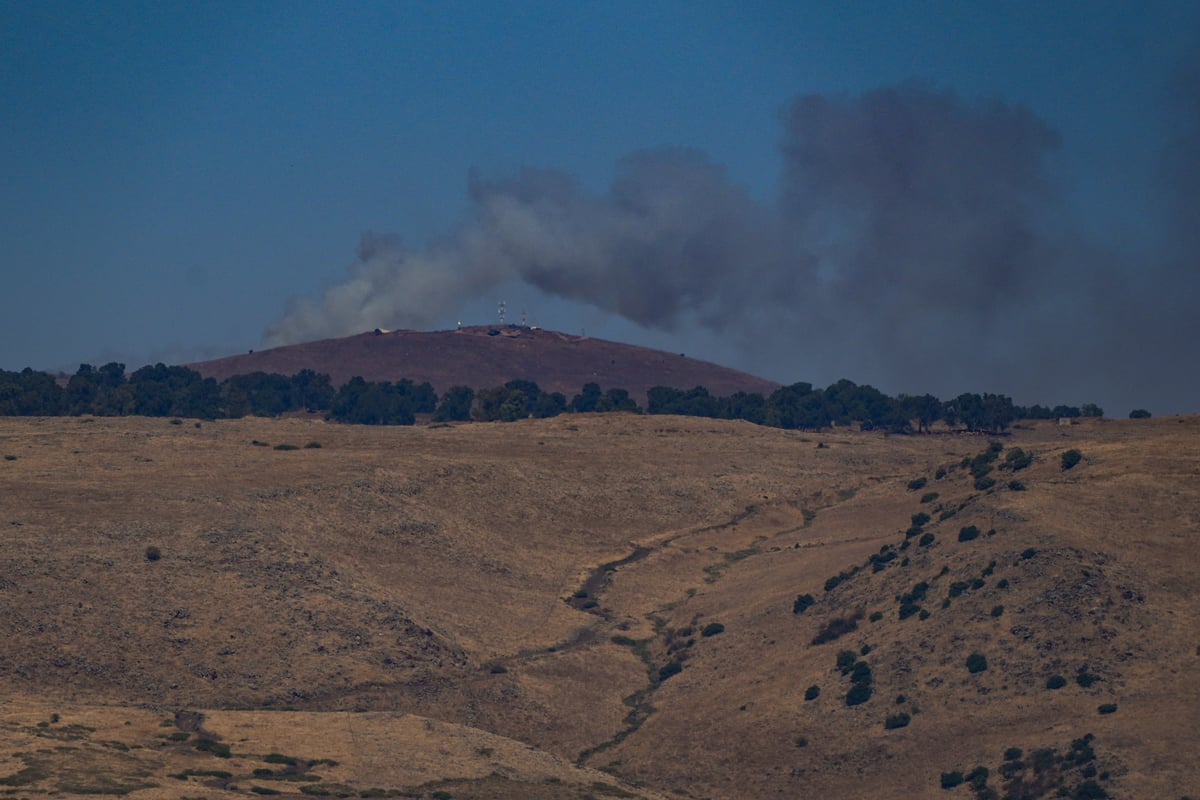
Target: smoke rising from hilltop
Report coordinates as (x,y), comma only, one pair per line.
(917,243)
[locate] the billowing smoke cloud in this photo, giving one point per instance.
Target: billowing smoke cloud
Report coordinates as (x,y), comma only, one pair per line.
(917,244)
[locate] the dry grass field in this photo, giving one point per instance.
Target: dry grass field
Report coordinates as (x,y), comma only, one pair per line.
(594,606)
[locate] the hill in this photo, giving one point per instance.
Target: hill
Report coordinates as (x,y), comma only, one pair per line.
(482,357)
(601,605)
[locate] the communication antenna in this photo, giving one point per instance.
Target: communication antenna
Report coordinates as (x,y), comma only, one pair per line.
(500,312)
(524,319)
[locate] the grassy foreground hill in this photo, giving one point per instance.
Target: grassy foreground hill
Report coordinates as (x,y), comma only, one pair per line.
(596,606)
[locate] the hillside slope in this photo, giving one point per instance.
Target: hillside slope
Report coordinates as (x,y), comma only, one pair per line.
(546,599)
(482,357)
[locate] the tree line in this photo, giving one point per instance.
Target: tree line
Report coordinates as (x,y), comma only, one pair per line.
(175,391)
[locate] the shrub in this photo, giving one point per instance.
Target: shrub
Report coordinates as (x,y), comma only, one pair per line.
(977,779)
(1013,754)
(1017,459)
(909,609)
(984,483)
(924,615)
(279,758)
(1002,583)
(1089,790)
(861,673)
(712,629)
(263,790)
(958,587)
(846,661)
(859,693)
(9,457)
(1071,458)
(976,662)
(1139,413)
(917,483)
(835,628)
(900,720)
(968,533)
(1029,552)
(812,692)
(218,749)
(875,616)
(835,581)
(1056,682)
(673,668)
(941,473)
(286,447)
(997,611)
(1108,708)
(929,497)
(926,540)
(802,603)
(1016,486)
(915,530)
(313,446)
(1086,679)
(916,594)
(951,779)
(153,553)
(919,519)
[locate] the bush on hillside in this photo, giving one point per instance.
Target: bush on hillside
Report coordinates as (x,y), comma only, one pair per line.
(802,603)
(976,662)
(859,693)
(951,779)
(1071,458)
(835,629)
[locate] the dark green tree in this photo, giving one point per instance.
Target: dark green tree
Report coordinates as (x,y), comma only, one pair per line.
(455,405)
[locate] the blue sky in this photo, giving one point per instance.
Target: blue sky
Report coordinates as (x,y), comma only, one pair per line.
(174,177)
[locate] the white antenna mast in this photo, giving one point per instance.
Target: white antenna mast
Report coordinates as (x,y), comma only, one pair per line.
(500,312)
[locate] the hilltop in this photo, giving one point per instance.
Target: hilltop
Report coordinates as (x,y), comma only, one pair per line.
(597,605)
(481,357)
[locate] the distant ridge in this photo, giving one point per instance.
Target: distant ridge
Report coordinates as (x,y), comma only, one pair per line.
(483,356)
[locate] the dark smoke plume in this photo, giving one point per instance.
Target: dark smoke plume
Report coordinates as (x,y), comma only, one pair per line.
(917,244)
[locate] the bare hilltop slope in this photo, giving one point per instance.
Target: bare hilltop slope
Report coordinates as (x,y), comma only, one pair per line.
(597,606)
(482,357)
